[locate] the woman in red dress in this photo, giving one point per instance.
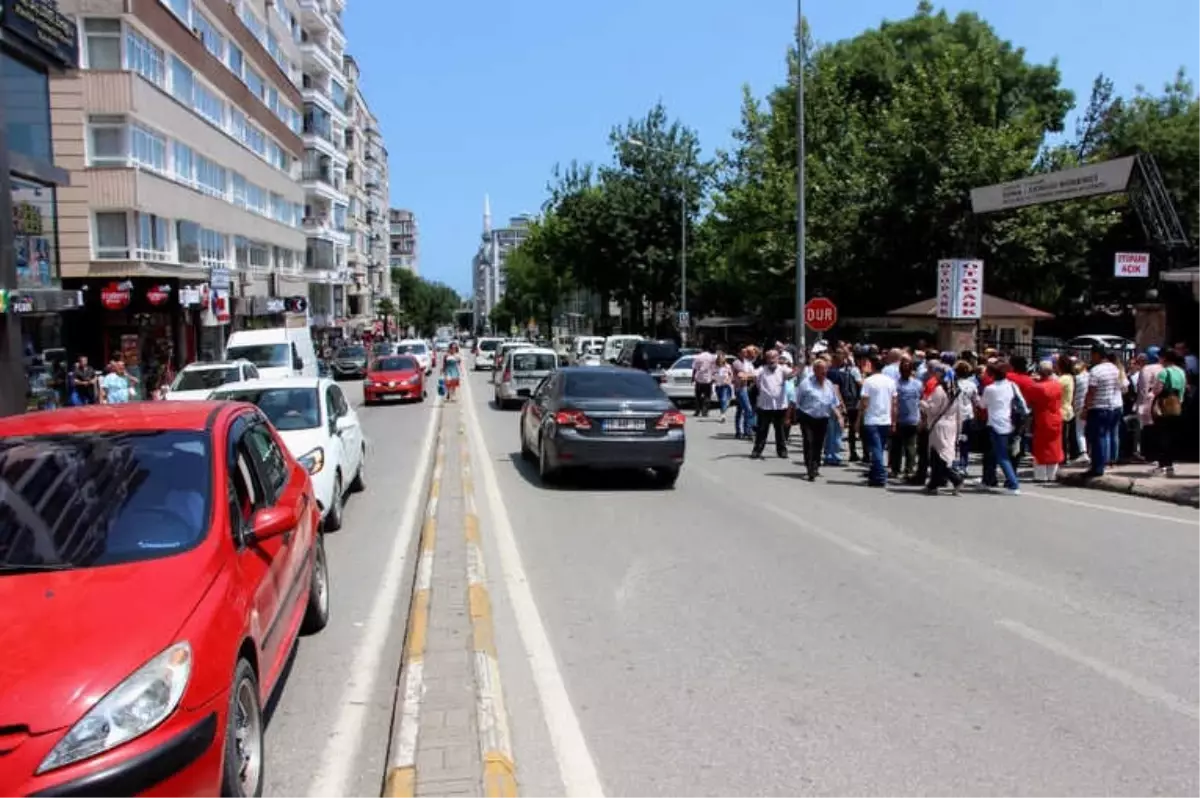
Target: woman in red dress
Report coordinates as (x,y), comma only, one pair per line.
(1044,397)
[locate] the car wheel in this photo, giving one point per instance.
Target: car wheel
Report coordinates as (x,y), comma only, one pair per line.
(667,477)
(359,483)
(242,774)
(546,473)
(333,518)
(316,615)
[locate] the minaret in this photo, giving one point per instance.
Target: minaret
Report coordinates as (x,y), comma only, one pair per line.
(487,214)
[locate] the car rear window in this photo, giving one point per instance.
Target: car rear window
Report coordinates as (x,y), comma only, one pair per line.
(352,352)
(534,361)
(395,364)
(413,349)
(684,364)
(89,499)
(611,385)
(287,408)
(652,355)
(488,346)
(205,379)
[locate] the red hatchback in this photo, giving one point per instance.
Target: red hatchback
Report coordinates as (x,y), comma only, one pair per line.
(157,562)
(394,377)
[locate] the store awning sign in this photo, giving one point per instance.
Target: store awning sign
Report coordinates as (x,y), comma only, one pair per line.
(158,294)
(115,296)
(42,25)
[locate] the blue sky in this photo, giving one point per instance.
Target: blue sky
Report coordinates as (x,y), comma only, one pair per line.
(484,96)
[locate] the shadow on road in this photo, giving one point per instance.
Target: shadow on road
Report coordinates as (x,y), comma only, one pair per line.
(586,480)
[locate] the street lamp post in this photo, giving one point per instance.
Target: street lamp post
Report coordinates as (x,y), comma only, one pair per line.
(683,197)
(801,333)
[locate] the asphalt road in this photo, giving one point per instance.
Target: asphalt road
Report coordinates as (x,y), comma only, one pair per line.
(750,633)
(306,727)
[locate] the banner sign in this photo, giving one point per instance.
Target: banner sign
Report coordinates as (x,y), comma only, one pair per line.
(42,25)
(1131,264)
(960,289)
(1093,180)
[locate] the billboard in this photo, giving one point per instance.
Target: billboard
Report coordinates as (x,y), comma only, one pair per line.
(1093,180)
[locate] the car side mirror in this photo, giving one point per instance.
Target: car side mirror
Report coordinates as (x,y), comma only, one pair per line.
(342,424)
(297,364)
(271,522)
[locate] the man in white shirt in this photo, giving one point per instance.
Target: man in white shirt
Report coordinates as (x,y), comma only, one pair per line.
(703,369)
(1102,409)
(772,404)
(877,417)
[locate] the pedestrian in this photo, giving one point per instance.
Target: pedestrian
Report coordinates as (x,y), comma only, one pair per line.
(1079,447)
(743,378)
(452,371)
(1045,400)
(1001,401)
(703,366)
(1066,382)
(839,375)
(1144,403)
(942,411)
(1102,409)
(877,416)
(1168,399)
(966,390)
(85,382)
(117,386)
(723,383)
(903,445)
(817,405)
(770,380)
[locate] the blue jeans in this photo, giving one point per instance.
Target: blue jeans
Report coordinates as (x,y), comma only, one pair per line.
(997,455)
(744,421)
(964,446)
(723,393)
(875,438)
(833,441)
(1101,428)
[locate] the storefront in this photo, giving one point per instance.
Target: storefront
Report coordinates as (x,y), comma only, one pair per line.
(35,39)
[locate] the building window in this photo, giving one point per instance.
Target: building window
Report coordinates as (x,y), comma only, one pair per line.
(181,9)
(212,248)
(153,241)
(256,198)
(236,61)
(183,82)
(252,22)
(214,42)
(102,43)
(256,140)
(239,190)
(209,105)
(148,148)
(112,236)
(257,86)
(144,58)
(338,93)
(188,235)
(210,177)
(108,142)
(25,92)
(184,163)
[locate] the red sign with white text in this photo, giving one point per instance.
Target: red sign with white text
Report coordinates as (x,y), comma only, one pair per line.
(114,297)
(820,314)
(1132,264)
(158,295)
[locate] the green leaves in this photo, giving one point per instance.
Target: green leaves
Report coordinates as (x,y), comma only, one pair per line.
(422,304)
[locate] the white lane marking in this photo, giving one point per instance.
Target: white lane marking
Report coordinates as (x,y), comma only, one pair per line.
(787,515)
(410,716)
(1128,680)
(339,761)
(575,763)
(1110,508)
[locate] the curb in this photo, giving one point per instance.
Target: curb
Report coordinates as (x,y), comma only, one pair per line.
(401,779)
(1185,495)
(495,742)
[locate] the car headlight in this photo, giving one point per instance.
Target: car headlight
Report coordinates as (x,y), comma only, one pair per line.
(314,461)
(136,706)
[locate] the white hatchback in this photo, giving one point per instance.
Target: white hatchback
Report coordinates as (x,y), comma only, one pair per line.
(321,430)
(198,380)
(418,349)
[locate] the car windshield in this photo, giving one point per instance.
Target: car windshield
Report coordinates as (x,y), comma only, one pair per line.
(382,349)
(287,408)
(88,499)
(395,364)
(534,361)
(352,352)
(261,355)
(618,384)
(412,349)
(205,379)
(488,346)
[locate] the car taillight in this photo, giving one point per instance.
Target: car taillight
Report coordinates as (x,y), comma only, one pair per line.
(507,376)
(672,419)
(572,418)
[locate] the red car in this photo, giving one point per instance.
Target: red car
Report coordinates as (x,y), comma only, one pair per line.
(157,562)
(394,377)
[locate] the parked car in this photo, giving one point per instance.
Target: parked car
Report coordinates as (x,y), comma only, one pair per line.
(485,353)
(653,357)
(350,362)
(677,382)
(157,562)
(394,377)
(602,417)
(320,429)
(198,380)
(524,368)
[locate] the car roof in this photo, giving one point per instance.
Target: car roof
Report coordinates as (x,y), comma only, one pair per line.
(278,382)
(413,341)
(602,370)
(134,416)
(224,364)
(538,350)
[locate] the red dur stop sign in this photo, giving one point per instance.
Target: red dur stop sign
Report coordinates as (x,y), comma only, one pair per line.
(820,314)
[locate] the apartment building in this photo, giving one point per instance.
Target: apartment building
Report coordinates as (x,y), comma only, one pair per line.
(404,245)
(182,134)
(367,179)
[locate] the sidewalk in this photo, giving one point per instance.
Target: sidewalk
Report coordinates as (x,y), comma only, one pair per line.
(450,726)
(1136,480)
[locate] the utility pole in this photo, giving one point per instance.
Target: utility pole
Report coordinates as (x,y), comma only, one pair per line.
(801,333)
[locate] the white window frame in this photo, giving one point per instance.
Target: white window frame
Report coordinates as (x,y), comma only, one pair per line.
(134,40)
(85,37)
(137,127)
(101,252)
(162,255)
(118,123)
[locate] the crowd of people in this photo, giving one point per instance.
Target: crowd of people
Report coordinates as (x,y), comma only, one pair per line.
(918,415)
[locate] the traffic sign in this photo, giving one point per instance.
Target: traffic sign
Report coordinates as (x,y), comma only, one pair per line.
(684,318)
(820,314)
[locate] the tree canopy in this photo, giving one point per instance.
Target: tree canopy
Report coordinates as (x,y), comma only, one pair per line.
(902,121)
(420,303)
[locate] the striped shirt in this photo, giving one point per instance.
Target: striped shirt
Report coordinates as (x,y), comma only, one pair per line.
(1105,387)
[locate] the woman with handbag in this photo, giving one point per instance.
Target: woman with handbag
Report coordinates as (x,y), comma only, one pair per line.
(1168,409)
(942,414)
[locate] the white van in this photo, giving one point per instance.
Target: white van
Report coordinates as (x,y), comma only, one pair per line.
(586,343)
(275,352)
(614,343)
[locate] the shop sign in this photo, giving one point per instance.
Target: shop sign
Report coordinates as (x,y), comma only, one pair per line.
(42,25)
(21,304)
(274,304)
(158,294)
(189,296)
(221,307)
(219,278)
(114,296)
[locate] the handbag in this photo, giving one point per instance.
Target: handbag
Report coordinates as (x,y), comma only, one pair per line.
(1019,414)
(1168,403)
(441,386)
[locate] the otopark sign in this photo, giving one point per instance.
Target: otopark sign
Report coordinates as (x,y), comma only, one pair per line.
(820,314)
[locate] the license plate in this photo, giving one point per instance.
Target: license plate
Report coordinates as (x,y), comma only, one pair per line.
(683,380)
(624,425)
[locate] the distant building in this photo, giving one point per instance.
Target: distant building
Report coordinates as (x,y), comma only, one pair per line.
(488,273)
(404,236)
